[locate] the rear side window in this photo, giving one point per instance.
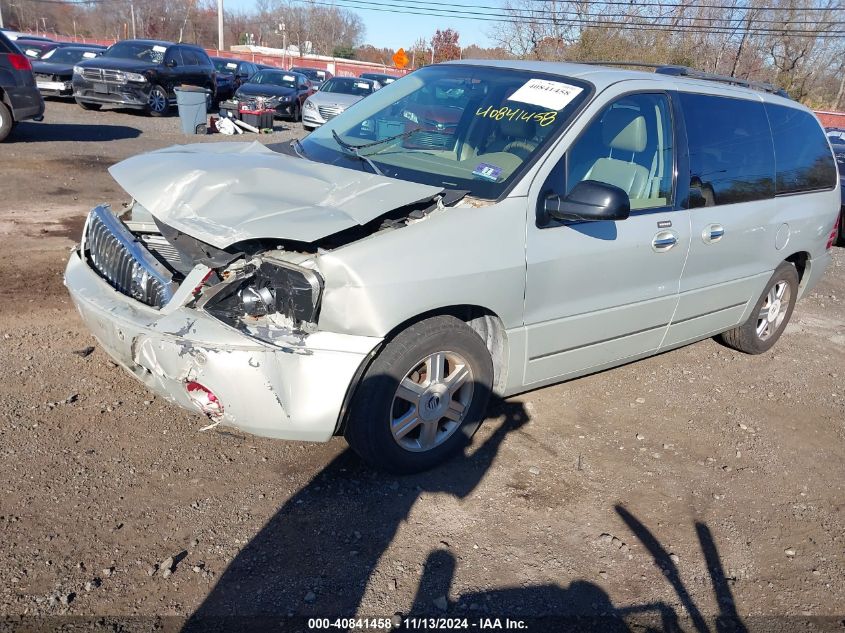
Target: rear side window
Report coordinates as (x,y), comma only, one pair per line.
(190,57)
(731,153)
(5,45)
(802,153)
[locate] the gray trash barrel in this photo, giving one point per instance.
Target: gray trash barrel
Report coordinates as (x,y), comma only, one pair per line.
(192,102)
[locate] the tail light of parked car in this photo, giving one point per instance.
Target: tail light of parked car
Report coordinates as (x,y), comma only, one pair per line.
(19,62)
(831,239)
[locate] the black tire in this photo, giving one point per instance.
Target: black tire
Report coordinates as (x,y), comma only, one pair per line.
(745,337)
(374,405)
(6,121)
(297,112)
(841,240)
(154,107)
(85,105)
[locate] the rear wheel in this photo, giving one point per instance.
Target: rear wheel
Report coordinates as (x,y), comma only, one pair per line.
(770,315)
(422,398)
(6,121)
(158,103)
(89,106)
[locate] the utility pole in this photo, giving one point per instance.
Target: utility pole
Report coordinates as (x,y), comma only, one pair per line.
(1,16)
(132,11)
(219,25)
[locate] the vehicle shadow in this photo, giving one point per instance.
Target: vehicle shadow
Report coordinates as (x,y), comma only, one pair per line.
(28,132)
(317,553)
(321,550)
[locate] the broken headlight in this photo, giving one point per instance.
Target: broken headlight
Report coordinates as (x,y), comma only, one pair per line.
(266,289)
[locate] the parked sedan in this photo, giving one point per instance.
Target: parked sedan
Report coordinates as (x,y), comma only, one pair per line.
(334,96)
(36,48)
(315,75)
(54,71)
(231,73)
(382,78)
(284,91)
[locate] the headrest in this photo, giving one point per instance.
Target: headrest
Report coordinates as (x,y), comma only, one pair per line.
(624,129)
(517,128)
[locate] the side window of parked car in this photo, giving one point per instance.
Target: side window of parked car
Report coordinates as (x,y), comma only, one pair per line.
(630,145)
(190,58)
(802,154)
(173,56)
(731,153)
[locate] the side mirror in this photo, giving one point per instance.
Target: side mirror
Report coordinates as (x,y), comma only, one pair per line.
(589,201)
(170,63)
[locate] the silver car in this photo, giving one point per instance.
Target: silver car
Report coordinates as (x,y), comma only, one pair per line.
(333,97)
(476,228)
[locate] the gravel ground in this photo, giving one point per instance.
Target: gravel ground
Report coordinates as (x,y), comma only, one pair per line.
(696,484)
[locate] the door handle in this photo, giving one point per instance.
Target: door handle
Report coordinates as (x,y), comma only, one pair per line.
(664,241)
(712,233)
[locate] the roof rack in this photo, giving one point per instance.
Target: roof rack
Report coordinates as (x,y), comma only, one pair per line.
(692,73)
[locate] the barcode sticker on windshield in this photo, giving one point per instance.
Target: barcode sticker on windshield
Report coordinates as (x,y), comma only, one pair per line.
(32,52)
(159,49)
(554,95)
(231,65)
(288,78)
(89,55)
(362,85)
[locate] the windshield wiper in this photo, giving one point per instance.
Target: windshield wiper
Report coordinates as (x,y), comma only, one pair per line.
(353,151)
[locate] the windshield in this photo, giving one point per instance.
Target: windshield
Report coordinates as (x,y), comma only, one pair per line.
(225,66)
(460,127)
(347,86)
(68,55)
(141,51)
(273,78)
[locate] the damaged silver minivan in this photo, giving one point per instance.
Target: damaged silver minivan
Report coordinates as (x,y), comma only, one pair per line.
(474,228)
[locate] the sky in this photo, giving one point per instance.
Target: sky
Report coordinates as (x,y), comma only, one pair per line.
(392,30)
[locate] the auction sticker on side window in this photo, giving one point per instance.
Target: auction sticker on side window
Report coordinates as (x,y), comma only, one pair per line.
(159,49)
(487,171)
(554,95)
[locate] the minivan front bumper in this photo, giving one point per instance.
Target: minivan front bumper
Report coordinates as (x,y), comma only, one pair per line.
(294,393)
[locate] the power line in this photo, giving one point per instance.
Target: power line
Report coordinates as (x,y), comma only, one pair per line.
(515,18)
(522,13)
(684,5)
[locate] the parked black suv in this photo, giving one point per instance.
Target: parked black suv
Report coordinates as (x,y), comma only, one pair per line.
(19,96)
(142,74)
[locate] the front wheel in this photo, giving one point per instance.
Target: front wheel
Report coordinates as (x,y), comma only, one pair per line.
(297,113)
(158,103)
(422,398)
(770,315)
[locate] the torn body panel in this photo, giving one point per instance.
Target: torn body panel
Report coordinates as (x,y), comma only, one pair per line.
(294,391)
(225,193)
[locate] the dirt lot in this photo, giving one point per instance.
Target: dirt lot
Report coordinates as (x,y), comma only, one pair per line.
(696,484)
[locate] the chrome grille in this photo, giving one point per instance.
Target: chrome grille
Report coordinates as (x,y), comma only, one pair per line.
(124,262)
(329,112)
(105,75)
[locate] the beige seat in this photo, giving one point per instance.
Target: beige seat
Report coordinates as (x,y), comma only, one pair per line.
(623,131)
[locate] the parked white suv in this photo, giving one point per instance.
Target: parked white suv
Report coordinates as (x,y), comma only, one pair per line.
(473,228)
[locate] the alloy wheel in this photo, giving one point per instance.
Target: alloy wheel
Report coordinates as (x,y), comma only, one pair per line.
(431,401)
(773,311)
(157,100)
